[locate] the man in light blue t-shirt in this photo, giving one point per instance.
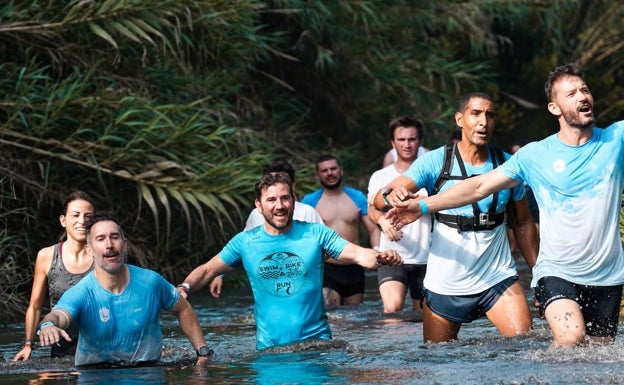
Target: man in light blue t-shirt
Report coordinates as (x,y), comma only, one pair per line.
(577,176)
(116,307)
(284,262)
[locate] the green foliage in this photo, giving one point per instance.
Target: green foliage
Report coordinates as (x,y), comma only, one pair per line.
(166,111)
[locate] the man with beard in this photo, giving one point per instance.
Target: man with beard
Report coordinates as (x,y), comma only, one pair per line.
(577,176)
(283,260)
(117,306)
(302,212)
(342,208)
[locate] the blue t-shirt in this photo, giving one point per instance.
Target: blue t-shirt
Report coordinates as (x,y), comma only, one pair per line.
(578,190)
(286,276)
(467,262)
(119,327)
(358,198)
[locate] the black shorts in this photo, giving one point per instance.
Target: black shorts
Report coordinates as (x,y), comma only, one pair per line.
(346,280)
(467,308)
(600,305)
(411,276)
(64,348)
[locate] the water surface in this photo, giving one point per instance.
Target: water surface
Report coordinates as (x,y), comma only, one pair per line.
(368,348)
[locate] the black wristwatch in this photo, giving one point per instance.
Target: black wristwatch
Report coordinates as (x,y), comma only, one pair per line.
(204,351)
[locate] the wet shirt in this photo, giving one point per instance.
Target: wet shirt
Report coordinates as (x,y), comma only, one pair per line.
(413,247)
(578,190)
(286,276)
(119,327)
(467,262)
(59,278)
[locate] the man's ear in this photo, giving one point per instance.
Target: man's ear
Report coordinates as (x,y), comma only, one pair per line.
(258,205)
(89,249)
(554,109)
(458,119)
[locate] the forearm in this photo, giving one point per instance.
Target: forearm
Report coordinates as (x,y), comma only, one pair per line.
(354,254)
(190,327)
(204,274)
(59,318)
(528,241)
(31,322)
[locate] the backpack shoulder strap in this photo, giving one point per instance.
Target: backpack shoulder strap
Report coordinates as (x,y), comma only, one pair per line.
(445,174)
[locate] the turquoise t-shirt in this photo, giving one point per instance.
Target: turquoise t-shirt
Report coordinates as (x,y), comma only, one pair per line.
(119,327)
(578,190)
(286,276)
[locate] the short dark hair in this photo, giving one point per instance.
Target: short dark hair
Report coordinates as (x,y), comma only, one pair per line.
(463,101)
(406,121)
(75,196)
(325,158)
(569,69)
(271,179)
(280,165)
(101,216)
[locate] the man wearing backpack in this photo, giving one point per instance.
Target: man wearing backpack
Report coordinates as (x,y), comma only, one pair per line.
(470,270)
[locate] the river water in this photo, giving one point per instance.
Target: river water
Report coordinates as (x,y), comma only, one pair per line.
(368,348)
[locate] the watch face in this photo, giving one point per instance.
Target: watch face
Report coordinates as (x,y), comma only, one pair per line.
(203,351)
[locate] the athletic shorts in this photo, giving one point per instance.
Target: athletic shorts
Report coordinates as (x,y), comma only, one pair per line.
(466,308)
(64,348)
(346,280)
(600,305)
(411,276)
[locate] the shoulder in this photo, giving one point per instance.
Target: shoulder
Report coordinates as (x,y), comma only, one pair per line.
(358,197)
(45,256)
(313,197)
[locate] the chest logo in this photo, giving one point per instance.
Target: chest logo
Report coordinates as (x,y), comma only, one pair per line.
(104,314)
(559,165)
(282,273)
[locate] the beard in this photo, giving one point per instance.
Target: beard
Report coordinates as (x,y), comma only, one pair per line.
(332,186)
(574,119)
(280,226)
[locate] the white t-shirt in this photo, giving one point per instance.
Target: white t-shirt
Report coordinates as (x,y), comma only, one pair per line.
(414,246)
(303,212)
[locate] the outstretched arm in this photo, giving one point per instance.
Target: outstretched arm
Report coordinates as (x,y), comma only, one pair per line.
(368,258)
(52,326)
(204,274)
(408,208)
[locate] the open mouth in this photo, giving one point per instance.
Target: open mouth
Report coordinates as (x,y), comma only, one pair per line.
(585,108)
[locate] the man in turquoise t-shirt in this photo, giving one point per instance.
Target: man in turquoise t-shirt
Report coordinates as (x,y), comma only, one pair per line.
(284,262)
(116,307)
